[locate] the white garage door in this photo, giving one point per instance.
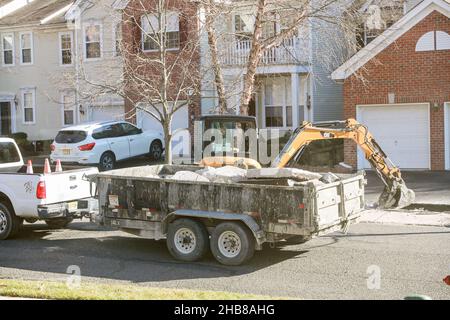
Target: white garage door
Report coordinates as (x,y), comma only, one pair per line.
(181,141)
(402,131)
(107,113)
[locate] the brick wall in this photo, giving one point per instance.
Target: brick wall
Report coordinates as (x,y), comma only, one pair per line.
(413,77)
(188,55)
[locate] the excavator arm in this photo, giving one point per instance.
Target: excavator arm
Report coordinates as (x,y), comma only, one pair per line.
(395,194)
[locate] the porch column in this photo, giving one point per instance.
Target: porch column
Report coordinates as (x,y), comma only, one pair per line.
(294,98)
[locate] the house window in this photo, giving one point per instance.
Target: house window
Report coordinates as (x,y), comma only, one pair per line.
(92,41)
(68,109)
(243,27)
(154,38)
(28,105)
(277,103)
(65,43)
(118,39)
(8,49)
(26,48)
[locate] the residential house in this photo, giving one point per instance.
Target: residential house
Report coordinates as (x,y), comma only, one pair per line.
(141,20)
(292,81)
(399,86)
(35,47)
(52,53)
(97,32)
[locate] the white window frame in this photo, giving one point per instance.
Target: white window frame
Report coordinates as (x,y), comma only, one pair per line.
(70,94)
(13,49)
(60,34)
(143,32)
(85,44)
(116,52)
(283,107)
(31,48)
(24,91)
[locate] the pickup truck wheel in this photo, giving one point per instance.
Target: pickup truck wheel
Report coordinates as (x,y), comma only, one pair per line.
(9,223)
(232,244)
(156,150)
(187,240)
(107,162)
(58,223)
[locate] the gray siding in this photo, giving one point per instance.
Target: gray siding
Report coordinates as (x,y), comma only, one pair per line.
(327,95)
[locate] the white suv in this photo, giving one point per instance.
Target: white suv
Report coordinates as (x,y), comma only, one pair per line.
(105,143)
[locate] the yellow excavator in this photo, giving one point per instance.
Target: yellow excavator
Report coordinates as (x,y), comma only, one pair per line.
(395,194)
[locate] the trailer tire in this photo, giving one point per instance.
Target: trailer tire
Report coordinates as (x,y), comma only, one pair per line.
(58,223)
(232,244)
(9,222)
(187,240)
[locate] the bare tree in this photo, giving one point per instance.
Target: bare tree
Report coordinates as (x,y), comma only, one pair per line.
(160,58)
(338,15)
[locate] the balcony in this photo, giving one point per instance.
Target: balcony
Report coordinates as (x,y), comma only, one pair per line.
(293,51)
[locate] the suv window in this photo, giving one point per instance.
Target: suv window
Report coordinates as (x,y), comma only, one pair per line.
(70,136)
(130,130)
(109,131)
(8,153)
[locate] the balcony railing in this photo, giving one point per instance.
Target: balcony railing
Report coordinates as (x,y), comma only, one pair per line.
(291,51)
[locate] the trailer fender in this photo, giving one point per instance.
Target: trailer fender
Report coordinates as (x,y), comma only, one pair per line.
(253,226)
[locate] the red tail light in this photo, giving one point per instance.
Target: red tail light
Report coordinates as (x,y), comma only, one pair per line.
(41,191)
(52,147)
(87,147)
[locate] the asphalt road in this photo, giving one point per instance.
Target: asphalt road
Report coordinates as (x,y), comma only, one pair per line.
(410,260)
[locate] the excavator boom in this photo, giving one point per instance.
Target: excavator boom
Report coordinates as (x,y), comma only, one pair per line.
(395,194)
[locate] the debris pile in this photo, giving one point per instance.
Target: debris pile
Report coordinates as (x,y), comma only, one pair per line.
(273,176)
(189,176)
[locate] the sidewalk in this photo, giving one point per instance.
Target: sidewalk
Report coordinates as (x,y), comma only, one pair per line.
(403,217)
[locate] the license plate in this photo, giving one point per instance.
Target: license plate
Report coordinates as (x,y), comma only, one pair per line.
(66,152)
(115,223)
(73,206)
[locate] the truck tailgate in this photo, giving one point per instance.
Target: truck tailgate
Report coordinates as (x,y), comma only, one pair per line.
(336,203)
(68,185)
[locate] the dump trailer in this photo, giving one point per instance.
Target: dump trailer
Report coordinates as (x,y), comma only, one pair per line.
(230,219)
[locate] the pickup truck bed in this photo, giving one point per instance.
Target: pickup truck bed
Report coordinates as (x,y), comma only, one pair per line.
(56,197)
(250,214)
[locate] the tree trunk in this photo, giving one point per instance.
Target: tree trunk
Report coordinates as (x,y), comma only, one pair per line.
(253,60)
(168,141)
(212,42)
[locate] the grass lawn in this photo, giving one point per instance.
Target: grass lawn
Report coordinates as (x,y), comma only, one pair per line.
(98,291)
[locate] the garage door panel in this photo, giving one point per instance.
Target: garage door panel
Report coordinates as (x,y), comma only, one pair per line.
(401,131)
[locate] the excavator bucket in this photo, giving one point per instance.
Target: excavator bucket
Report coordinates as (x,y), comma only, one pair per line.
(398,196)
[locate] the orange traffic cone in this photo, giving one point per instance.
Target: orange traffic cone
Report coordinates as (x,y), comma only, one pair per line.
(58,166)
(47,168)
(30,167)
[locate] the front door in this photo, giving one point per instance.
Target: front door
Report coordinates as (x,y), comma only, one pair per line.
(5,119)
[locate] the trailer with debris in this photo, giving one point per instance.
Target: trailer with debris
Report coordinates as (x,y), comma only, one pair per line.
(232,215)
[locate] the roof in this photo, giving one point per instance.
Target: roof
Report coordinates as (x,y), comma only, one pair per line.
(390,35)
(38,12)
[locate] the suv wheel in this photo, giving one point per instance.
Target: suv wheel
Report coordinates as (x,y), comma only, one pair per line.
(156,150)
(107,161)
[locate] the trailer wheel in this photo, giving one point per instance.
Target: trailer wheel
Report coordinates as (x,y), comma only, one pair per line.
(58,223)
(232,244)
(187,240)
(9,223)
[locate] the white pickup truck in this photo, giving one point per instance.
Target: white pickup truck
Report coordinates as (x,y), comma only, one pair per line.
(56,198)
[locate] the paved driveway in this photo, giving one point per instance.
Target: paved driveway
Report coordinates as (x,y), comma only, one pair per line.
(409,260)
